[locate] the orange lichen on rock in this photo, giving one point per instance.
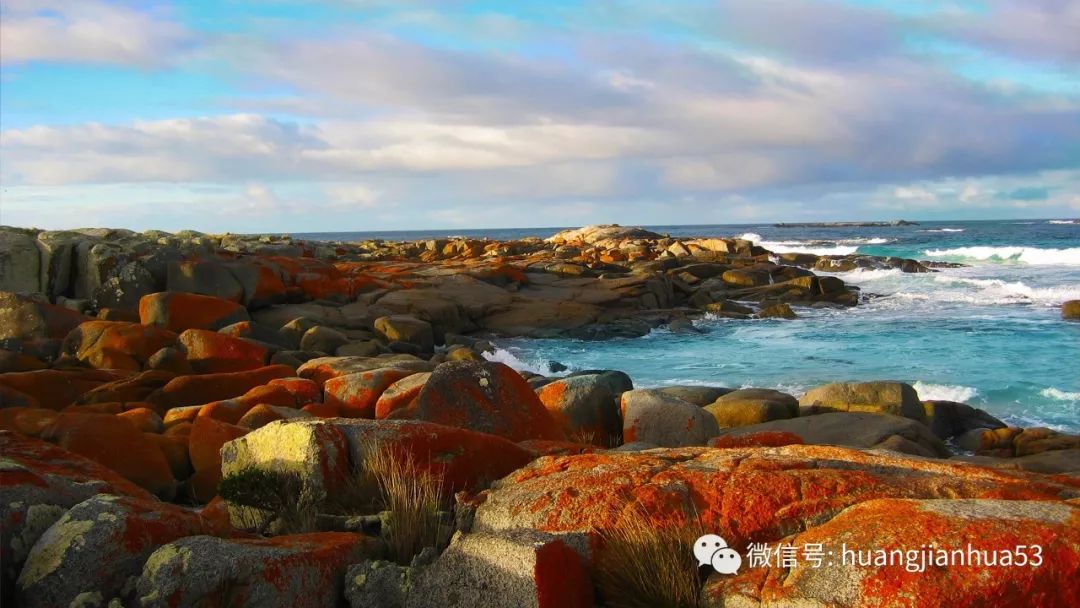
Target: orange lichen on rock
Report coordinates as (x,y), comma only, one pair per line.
(116,344)
(213,352)
(205,388)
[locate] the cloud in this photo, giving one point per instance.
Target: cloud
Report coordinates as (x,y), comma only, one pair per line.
(88,31)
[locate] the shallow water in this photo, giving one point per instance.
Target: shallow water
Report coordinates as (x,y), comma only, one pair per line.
(990,334)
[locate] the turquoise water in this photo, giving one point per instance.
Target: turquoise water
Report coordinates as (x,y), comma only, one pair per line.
(990,334)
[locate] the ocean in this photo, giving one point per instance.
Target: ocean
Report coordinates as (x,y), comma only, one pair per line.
(990,334)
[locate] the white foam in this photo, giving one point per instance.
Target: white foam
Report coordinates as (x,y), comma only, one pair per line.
(860,275)
(1063,222)
(1059,395)
(815,247)
(753,237)
(1027,255)
(501,355)
(997,291)
(943,230)
(944,392)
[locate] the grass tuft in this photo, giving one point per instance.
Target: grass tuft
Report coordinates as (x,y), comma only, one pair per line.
(646,565)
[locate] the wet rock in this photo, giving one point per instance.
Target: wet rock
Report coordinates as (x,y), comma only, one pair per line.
(666,421)
(1071,310)
(777,311)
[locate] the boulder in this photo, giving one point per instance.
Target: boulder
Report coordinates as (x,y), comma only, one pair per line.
(894,398)
(1053,462)
(399,396)
(486,397)
(52,389)
(29,421)
(124,288)
(170,359)
(1071,310)
(263,414)
(323,339)
(20,262)
(856,429)
(195,390)
(94,548)
(134,388)
(23,318)
(653,417)
(755,494)
(698,395)
(39,482)
(1008,442)
(587,406)
(322,369)
(356,395)
(326,452)
(990,529)
(178,311)
(297,571)
(522,568)
(752,406)
(213,352)
(204,448)
(540,318)
(116,344)
(116,443)
(410,330)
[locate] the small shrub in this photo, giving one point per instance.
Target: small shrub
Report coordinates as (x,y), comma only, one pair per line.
(265,497)
(645,565)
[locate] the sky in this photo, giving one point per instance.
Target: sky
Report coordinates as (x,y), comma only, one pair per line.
(352,115)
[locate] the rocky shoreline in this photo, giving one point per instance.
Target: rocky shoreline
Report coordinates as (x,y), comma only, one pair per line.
(194,420)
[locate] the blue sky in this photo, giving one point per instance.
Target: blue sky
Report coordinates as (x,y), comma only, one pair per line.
(340,115)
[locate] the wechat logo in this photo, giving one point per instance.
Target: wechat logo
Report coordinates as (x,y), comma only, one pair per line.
(713,550)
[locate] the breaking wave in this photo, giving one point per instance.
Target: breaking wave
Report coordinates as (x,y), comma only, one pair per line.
(1027,255)
(944,392)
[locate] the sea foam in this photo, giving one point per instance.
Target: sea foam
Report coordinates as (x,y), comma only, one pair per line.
(944,392)
(1059,395)
(1027,255)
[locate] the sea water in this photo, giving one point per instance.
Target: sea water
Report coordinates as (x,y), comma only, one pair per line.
(989,334)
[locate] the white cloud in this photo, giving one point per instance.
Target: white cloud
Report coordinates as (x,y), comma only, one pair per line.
(88,31)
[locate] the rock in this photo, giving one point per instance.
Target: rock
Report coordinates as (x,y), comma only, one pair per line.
(1071,310)
(323,339)
(402,328)
(746,278)
(212,352)
(124,289)
(144,419)
(601,232)
(777,311)
(39,482)
(262,415)
(1010,441)
(52,389)
(1055,462)
(324,368)
(116,443)
(948,418)
(204,448)
(522,568)
(178,311)
(97,546)
(205,277)
(894,398)
(115,344)
(540,318)
(356,395)
(752,406)
(698,395)
(29,421)
(884,526)
(486,397)
(400,395)
(587,406)
(363,348)
(23,318)
(666,421)
(856,429)
(326,452)
(57,250)
(297,571)
(377,584)
(744,495)
(20,262)
(171,360)
(195,390)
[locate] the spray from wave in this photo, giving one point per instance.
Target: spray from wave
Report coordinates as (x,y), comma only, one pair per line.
(1059,395)
(501,355)
(815,247)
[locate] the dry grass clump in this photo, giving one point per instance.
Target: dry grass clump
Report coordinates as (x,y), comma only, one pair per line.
(414,503)
(645,565)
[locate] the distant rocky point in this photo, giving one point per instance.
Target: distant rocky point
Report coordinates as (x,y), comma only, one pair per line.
(846,224)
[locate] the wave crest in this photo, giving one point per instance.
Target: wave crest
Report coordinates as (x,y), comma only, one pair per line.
(944,392)
(1027,255)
